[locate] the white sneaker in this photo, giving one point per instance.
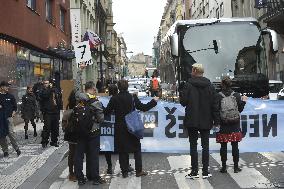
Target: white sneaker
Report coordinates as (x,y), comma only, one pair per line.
(206,175)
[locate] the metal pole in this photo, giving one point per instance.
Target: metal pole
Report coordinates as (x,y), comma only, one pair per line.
(101,65)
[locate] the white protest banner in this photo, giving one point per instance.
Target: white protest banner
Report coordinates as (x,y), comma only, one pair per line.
(262,124)
(83,53)
(75,25)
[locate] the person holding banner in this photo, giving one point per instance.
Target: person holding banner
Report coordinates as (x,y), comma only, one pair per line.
(230,104)
(199,97)
(124,141)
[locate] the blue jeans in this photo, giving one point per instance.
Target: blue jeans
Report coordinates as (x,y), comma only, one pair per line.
(91,146)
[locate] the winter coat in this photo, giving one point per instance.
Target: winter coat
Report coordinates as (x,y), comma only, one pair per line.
(199,99)
(47,103)
(29,106)
(3,122)
(121,104)
(97,105)
(235,127)
(9,103)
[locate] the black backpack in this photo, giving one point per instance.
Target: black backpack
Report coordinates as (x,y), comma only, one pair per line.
(84,118)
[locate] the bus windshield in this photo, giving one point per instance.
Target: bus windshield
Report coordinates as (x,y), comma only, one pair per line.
(240,49)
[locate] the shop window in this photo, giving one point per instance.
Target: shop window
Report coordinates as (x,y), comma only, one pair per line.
(31,4)
(62,19)
(48,10)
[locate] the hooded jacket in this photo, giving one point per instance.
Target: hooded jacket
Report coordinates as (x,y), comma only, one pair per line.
(97,105)
(200,102)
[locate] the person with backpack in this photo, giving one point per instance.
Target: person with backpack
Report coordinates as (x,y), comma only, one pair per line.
(230,104)
(69,133)
(154,86)
(28,110)
(198,96)
(87,116)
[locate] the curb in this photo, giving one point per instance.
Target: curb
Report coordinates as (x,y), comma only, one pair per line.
(44,171)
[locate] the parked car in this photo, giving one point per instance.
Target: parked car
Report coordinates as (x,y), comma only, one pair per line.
(280,95)
(274,87)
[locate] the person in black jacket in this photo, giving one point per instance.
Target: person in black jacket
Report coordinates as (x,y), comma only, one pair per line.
(199,98)
(28,110)
(69,134)
(125,142)
(51,100)
(230,131)
(9,104)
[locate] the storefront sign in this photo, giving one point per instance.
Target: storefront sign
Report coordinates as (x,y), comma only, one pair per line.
(75,25)
(262,124)
(83,53)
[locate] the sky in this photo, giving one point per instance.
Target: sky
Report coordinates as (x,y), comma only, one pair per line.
(138,21)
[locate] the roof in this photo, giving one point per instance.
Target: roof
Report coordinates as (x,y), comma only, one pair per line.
(172,29)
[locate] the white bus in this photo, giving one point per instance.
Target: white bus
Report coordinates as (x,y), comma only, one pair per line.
(232,47)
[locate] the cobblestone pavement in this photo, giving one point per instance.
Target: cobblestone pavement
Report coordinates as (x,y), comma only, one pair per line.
(15,170)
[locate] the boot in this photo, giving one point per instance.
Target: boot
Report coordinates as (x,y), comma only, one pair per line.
(109,170)
(35,133)
(236,164)
(26,134)
(223,154)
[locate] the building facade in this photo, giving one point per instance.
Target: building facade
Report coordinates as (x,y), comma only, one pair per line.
(97,17)
(210,9)
(138,63)
(34,42)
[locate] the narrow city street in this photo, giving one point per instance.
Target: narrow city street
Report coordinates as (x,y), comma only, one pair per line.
(141,94)
(47,169)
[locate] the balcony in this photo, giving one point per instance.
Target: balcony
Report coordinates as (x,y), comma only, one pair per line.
(274,15)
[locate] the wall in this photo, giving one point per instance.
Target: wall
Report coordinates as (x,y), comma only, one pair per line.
(27,25)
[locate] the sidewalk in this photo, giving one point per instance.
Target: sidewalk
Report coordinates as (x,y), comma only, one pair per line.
(34,164)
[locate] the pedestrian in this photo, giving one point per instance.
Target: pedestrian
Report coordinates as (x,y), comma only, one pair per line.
(199,98)
(99,86)
(112,91)
(4,129)
(69,134)
(28,110)
(124,141)
(230,105)
(36,90)
(154,86)
(51,101)
(88,115)
(10,108)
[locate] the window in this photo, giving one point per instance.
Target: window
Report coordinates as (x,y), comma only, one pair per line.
(222,9)
(217,13)
(48,10)
(62,19)
(31,4)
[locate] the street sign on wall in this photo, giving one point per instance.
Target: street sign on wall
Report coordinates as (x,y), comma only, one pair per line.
(75,25)
(83,53)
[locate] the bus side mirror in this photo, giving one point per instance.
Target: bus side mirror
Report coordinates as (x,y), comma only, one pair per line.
(174,44)
(273,38)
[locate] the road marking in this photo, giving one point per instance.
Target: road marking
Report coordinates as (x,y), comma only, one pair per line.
(183,161)
(131,182)
(56,185)
(248,177)
(273,156)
